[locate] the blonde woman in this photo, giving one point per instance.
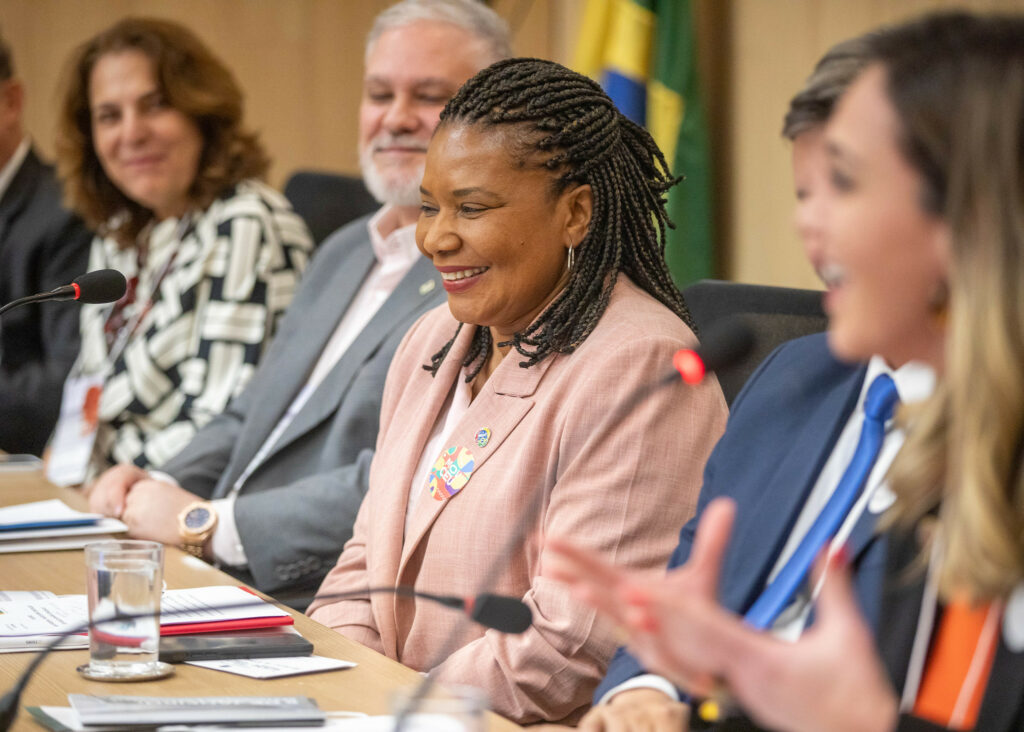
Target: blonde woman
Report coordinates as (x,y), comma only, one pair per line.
(929,141)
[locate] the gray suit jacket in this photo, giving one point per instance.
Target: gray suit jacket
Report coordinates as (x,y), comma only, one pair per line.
(42,246)
(295,512)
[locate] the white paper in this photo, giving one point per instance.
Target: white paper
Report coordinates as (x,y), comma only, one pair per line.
(208,604)
(24,595)
(35,643)
(42,511)
(335,720)
(49,615)
(198,605)
(272,668)
(60,543)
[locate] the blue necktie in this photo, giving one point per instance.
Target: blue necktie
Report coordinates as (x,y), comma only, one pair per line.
(879,404)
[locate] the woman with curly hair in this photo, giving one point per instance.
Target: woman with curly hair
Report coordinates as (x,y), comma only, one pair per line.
(154,157)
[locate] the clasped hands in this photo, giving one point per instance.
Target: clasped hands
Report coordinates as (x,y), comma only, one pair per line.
(147,506)
(831,678)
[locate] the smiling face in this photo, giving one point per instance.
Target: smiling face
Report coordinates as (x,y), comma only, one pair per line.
(494,230)
(411,73)
(813,192)
(885,256)
(147,148)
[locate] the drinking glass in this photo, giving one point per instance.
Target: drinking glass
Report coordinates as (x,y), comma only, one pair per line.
(451,709)
(124,578)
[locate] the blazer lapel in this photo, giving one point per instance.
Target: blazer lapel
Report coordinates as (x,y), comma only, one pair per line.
(758,548)
(416,288)
(307,344)
(400,455)
(499,408)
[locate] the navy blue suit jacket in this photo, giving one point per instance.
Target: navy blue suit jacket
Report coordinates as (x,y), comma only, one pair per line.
(781,431)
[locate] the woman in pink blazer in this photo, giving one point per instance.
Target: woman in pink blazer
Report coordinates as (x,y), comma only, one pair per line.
(543,209)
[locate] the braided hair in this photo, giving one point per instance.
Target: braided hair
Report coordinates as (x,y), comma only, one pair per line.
(568,121)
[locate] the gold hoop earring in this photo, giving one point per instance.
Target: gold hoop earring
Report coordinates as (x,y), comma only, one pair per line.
(570,259)
(938,303)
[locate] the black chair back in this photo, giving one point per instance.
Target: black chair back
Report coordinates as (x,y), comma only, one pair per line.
(328,201)
(776,314)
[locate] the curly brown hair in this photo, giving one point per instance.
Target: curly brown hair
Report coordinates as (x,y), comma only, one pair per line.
(193,81)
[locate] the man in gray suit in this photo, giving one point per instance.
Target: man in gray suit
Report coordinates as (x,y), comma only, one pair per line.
(286,464)
(42,246)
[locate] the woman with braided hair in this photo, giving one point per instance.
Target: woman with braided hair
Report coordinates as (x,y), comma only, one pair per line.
(507,413)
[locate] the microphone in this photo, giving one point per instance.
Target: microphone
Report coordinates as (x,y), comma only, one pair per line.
(726,342)
(500,612)
(99,286)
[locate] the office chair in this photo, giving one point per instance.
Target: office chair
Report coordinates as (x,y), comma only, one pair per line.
(776,314)
(327,201)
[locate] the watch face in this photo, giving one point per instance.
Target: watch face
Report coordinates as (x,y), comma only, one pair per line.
(197,518)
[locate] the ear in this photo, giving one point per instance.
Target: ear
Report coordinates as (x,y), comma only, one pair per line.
(579,207)
(941,250)
(12,97)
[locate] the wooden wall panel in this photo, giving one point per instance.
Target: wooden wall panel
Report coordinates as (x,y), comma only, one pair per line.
(774,45)
(300,62)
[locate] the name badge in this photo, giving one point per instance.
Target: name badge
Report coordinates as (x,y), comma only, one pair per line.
(73,440)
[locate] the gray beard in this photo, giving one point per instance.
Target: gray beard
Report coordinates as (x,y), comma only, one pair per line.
(395,190)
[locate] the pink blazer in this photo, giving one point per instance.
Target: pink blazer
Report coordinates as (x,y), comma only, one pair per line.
(622,487)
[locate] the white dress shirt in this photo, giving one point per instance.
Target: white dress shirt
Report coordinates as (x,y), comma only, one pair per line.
(455,407)
(915,382)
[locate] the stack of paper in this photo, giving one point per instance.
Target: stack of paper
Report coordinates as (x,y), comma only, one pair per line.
(132,712)
(31,620)
(51,525)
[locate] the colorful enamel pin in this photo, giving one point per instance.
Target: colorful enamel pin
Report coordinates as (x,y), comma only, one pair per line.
(450,473)
(483,437)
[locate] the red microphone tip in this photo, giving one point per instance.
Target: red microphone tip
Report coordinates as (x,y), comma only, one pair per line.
(78,290)
(689,365)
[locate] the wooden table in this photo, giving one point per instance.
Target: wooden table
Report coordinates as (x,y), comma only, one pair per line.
(365,688)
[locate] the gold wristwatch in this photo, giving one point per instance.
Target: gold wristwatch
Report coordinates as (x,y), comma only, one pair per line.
(195,525)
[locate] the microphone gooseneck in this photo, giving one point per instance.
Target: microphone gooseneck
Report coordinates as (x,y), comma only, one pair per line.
(505,614)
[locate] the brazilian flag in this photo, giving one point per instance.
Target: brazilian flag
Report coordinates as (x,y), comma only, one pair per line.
(644,55)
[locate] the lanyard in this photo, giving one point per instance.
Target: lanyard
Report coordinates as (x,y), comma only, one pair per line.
(925,638)
(126,331)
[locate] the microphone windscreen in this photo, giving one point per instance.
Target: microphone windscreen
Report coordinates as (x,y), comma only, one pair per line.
(725,342)
(102,285)
(507,614)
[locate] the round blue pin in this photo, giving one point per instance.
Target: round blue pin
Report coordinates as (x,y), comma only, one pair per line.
(483,437)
